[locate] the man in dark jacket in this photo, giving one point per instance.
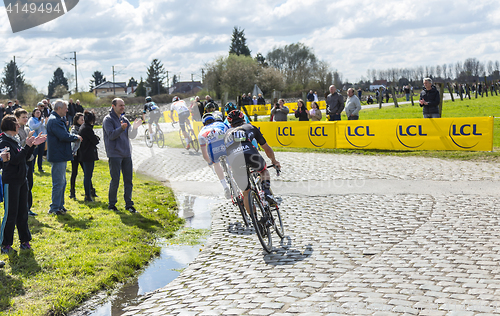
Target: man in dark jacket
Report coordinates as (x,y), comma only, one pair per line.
(117,130)
(58,154)
(430,99)
(71,112)
(334,104)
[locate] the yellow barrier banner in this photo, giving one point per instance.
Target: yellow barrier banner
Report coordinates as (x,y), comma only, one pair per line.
(471,133)
(468,133)
(298,134)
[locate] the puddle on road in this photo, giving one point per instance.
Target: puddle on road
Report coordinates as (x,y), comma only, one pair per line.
(165,268)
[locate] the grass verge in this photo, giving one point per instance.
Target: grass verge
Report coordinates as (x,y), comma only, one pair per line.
(90,249)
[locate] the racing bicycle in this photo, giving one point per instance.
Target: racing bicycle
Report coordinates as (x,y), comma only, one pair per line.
(264,216)
(157,137)
(192,136)
(236,194)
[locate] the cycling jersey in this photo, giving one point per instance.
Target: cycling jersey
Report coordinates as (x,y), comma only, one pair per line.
(179,106)
(154,112)
(212,136)
(242,153)
(150,107)
(182,112)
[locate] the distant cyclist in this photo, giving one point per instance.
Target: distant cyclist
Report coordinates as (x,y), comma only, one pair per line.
(211,139)
(231,107)
(154,114)
(241,153)
(183,113)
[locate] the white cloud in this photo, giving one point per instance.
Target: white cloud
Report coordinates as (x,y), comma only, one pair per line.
(352,35)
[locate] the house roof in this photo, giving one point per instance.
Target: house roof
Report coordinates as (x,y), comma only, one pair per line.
(111,85)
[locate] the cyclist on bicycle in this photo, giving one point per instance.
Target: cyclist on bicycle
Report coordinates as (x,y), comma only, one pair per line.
(154,115)
(211,139)
(242,153)
(231,107)
(183,113)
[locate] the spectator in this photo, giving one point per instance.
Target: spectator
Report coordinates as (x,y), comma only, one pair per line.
(315,113)
(407,92)
(197,109)
(261,100)
(16,105)
(360,92)
(117,130)
(353,106)
(44,108)
(279,112)
(75,129)
(78,107)
(88,153)
(71,111)
(58,154)
(24,132)
(430,99)
(310,96)
(208,99)
(316,97)
(8,108)
(334,104)
(369,100)
(254,100)
(2,111)
(37,124)
(301,112)
(387,95)
(15,185)
(378,95)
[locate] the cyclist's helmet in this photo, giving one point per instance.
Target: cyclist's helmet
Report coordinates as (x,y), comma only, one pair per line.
(149,99)
(229,107)
(209,107)
(175,99)
(235,117)
(217,116)
(208,119)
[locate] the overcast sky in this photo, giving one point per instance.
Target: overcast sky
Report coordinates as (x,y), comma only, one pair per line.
(352,35)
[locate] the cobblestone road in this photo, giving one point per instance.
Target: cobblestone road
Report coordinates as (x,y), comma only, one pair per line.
(374,235)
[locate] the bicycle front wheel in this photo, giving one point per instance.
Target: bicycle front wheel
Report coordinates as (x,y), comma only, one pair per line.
(147,137)
(183,140)
(277,221)
(260,221)
(194,142)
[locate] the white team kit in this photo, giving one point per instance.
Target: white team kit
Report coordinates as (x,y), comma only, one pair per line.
(212,136)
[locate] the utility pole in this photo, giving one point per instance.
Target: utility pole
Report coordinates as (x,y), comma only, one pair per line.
(192,78)
(202,75)
(114,90)
(168,87)
(15,78)
(76,73)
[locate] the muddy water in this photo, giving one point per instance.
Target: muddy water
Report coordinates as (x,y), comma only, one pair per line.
(162,270)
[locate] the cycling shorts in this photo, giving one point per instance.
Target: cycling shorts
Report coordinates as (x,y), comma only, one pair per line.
(154,116)
(238,165)
(183,117)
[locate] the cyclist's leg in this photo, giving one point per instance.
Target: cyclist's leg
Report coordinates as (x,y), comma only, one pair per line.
(258,163)
(245,200)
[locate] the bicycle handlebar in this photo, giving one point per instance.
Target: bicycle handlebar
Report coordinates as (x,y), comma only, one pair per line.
(278,170)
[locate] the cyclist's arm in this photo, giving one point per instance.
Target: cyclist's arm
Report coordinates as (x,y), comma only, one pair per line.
(204,151)
(270,154)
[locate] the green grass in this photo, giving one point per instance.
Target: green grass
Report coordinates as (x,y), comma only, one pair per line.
(480,107)
(90,249)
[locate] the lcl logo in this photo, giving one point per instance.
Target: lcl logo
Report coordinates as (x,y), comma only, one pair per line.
(358,136)
(283,135)
(464,135)
(408,135)
(316,133)
(25,14)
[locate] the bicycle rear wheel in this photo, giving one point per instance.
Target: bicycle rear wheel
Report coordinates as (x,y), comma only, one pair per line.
(260,221)
(160,138)
(147,137)
(277,221)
